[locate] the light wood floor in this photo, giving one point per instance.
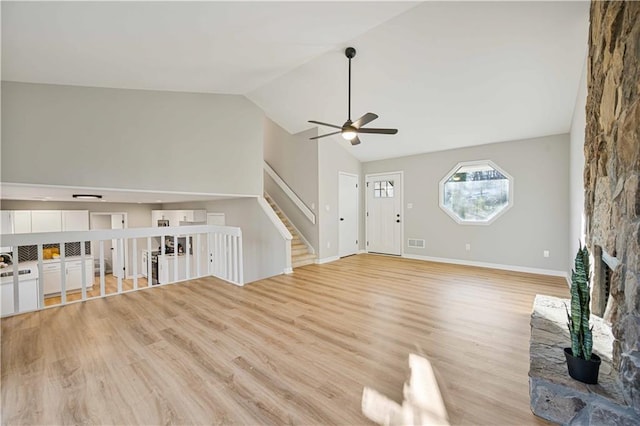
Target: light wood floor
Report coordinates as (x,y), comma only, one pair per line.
(293,349)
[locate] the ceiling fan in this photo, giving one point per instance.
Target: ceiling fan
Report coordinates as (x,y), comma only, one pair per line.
(351,129)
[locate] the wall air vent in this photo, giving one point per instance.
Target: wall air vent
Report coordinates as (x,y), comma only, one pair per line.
(413,243)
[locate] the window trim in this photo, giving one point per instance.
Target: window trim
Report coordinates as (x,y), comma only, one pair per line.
(452,171)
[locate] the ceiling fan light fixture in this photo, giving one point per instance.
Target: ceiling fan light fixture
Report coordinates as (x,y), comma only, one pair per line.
(349,134)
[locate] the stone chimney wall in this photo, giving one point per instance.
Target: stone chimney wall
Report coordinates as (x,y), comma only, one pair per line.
(612,173)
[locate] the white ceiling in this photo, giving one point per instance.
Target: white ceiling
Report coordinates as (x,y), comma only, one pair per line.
(446,74)
(215,47)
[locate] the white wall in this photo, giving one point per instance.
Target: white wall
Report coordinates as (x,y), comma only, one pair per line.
(295,160)
(264,252)
(537,221)
(131,139)
(333,159)
(576,171)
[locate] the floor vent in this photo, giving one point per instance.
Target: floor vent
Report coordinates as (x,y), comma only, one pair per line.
(413,243)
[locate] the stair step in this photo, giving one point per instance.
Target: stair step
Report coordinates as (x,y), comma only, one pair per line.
(299,251)
(301,257)
(303,260)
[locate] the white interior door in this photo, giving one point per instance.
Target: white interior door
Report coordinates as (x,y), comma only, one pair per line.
(213,219)
(384,211)
(348,214)
(117,247)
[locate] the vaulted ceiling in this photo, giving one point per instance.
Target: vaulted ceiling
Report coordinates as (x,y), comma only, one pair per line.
(446,74)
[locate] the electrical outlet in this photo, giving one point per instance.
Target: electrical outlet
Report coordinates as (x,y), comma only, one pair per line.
(328,244)
(409,205)
(545,253)
(467,247)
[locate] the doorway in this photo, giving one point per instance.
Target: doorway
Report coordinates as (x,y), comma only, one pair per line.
(116,253)
(348,195)
(384,213)
(213,219)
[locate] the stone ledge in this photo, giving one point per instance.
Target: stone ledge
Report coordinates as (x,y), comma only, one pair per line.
(555,396)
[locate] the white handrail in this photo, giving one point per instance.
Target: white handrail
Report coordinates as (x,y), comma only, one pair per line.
(284,232)
(292,195)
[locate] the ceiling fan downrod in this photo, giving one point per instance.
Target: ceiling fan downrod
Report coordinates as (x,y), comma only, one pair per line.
(350,53)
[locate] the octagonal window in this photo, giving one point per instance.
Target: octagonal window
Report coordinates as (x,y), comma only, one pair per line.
(476,192)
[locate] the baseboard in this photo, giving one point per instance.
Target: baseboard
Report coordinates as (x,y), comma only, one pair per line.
(513,268)
(361,251)
(288,271)
(327,260)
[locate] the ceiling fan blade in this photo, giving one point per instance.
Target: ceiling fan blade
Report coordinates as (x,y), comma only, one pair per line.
(355,141)
(322,136)
(325,124)
(367,118)
(378,131)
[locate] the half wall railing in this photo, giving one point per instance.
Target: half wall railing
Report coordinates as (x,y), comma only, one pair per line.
(77,270)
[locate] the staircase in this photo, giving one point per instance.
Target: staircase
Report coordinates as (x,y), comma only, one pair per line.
(300,254)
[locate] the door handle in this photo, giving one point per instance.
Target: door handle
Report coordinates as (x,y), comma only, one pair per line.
(342,218)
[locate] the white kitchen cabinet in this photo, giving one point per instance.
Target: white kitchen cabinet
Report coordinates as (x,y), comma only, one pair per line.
(6,222)
(21,221)
(75,220)
(6,228)
(6,301)
(200,215)
(28,296)
(52,281)
(14,222)
(166,268)
(26,221)
(46,221)
(74,275)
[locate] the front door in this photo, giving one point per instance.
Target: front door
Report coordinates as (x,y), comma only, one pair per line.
(384,210)
(348,214)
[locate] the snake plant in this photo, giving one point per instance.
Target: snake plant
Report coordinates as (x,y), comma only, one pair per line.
(578,319)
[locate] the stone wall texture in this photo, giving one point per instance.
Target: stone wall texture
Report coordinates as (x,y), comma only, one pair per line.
(612,173)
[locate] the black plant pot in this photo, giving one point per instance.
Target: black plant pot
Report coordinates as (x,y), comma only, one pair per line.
(582,370)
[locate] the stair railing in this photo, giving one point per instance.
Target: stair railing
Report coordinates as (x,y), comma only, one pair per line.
(289,192)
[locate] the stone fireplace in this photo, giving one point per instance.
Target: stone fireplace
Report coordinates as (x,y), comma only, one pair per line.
(603,267)
(612,180)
